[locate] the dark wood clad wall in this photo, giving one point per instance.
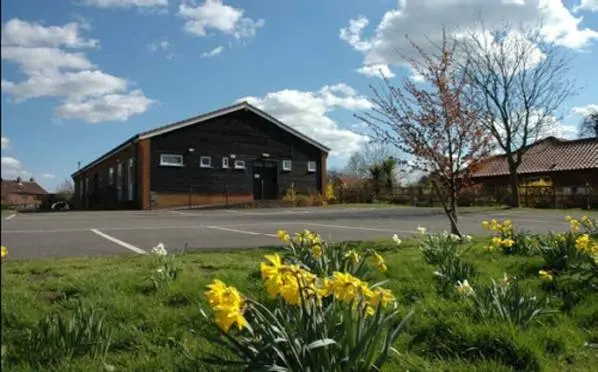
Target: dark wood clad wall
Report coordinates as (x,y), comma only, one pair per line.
(247,136)
(103,195)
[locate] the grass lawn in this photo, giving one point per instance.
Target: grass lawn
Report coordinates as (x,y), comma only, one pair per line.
(150,327)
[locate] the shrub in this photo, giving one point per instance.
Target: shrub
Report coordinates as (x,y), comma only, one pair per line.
(57,338)
(505,301)
(317,200)
(302,201)
(508,239)
(332,324)
(289,195)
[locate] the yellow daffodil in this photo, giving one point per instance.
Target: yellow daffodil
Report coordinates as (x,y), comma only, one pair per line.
(582,243)
(316,251)
(505,280)
(545,276)
(574,225)
(464,289)
(587,221)
(354,256)
(4,251)
(507,242)
(485,225)
(227,304)
(382,296)
(380,262)
(568,218)
(496,241)
(283,235)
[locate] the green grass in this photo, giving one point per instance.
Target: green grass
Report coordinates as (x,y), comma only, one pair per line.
(150,327)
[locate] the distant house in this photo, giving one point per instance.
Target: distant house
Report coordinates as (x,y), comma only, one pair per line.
(22,194)
(571,166)
(235,154)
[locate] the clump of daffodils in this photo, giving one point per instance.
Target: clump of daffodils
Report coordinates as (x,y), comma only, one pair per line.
(159,250)
(587,223)
(227,304)
(504,231)
(4,251)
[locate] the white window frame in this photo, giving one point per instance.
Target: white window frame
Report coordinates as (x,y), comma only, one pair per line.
(111,176)
(240,164)
(166,163)
(130,179)
(201,162)
(312,166)
(225,162)
(119,182)
(287,165)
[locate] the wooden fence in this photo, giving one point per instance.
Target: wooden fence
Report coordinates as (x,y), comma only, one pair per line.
(531,196)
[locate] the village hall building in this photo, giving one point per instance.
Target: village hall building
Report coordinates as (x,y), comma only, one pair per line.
(235,154)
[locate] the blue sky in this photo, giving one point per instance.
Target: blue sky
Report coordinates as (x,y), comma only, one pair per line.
(83,75)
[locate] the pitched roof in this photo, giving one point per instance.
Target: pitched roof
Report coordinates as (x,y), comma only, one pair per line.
(202,118)
(22,187)
(547,155)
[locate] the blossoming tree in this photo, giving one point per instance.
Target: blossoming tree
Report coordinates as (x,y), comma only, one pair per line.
(435,123)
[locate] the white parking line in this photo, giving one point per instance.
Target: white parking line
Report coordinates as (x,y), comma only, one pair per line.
(239,231)
(119,242)
(10,217)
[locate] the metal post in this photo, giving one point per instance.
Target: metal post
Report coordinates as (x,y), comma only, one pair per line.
(262,189)
(189,197)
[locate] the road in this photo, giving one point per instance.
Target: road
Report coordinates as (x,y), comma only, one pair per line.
(79,233)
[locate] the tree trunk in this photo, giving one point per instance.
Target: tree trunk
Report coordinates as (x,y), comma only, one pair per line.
(450,208)
(514,184)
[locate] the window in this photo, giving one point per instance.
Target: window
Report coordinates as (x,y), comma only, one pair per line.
(171,160)
(205,162)
(311,166)
(130,179)
(287,165)
(111,176)
(225,162)
(119,182)
(239,164)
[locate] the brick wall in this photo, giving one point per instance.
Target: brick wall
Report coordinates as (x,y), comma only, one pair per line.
(168,200)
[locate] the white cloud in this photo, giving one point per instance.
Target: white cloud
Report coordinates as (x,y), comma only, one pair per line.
(26,34)
(12,168)
(53,69)
(584,110)
(308,112)
(5,143)
(214,52)
(376,71)
(108,107)
(125,3)
(213,14)
(424,20)
(48,176)
(163,46)
(590,5)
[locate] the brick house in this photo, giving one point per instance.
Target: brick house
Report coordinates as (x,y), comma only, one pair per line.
(570,166)
(238,153)
(22,194)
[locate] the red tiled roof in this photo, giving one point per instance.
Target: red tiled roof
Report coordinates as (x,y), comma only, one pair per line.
(22,187)
(548,155)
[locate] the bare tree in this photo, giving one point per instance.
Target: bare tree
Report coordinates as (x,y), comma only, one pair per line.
(520,82)
(65,190)
(372,153)
(435,123)
(589,125)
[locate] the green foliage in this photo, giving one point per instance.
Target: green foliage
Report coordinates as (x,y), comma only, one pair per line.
(165,267)
(508,302)
(309,338)
(451,271)
(558,250)
(57,337)
(302,200)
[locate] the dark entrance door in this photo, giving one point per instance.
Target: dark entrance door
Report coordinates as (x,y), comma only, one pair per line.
(265,182)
